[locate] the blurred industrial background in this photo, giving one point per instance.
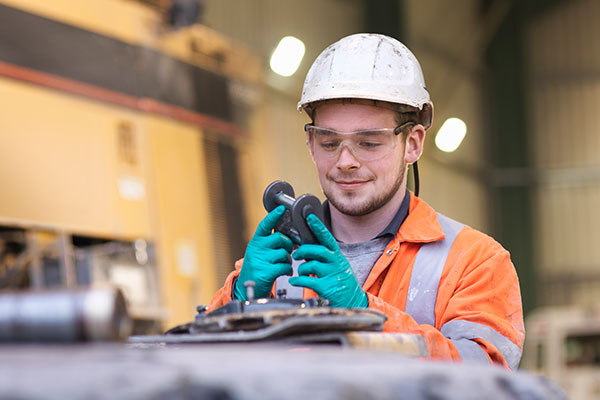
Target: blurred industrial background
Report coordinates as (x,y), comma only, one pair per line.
(137,137)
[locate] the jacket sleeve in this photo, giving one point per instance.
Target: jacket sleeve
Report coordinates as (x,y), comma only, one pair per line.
(225,294)
(480,318)
(400,322)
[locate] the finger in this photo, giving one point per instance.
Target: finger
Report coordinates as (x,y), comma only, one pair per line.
(321,232)
(269,222)
(314,252)
(305,281)
(277,256)
(278,241)
(312,268)
(282,269)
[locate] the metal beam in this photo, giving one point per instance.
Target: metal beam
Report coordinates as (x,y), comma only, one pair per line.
(509,142)
(385,17)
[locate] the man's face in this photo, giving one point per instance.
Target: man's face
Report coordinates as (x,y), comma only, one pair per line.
(354,186)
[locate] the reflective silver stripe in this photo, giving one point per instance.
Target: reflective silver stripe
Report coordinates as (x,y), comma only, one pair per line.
(426,273)
(470,351)
(459,329)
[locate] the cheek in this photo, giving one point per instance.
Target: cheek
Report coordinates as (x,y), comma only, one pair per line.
(387,169)
(323,166)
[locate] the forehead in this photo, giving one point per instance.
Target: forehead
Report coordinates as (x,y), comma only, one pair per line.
(349,116)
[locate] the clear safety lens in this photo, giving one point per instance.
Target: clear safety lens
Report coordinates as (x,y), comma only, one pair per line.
(366,145)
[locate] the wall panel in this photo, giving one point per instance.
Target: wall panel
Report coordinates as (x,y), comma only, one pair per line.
(182,212)
(564,80)
(60,163)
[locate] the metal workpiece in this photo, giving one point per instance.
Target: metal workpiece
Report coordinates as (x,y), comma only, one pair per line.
(265,305)
(284,320)
(300,319)
(97,314)
(293,222)
(298,325)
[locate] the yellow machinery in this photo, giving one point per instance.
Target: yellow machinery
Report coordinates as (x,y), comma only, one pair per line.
(125,152)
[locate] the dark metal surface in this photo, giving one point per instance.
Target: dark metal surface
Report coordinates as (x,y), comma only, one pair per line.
(249,372)
(259,305)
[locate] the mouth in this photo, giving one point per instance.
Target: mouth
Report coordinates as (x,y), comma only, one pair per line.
(350,184)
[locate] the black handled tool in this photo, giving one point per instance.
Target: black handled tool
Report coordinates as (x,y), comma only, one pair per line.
(293,222)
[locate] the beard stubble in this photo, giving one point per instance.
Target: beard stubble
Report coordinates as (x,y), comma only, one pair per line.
(374,203)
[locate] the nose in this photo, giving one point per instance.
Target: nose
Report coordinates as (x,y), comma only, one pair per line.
(347,160)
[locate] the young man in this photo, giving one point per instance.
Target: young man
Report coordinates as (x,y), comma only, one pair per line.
(385,248)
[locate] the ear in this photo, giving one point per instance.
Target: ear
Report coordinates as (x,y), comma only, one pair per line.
(414,144)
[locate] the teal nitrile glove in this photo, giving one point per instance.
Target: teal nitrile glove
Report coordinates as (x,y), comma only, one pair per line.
(334,279)
(267,257)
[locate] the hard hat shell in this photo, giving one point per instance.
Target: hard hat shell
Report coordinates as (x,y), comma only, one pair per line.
(367,66)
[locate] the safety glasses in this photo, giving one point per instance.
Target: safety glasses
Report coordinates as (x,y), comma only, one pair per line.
(366,145)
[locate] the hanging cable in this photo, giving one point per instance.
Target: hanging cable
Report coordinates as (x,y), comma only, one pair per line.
(416,176)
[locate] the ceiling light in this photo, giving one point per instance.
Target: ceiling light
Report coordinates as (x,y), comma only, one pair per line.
(287,56)
(450,135)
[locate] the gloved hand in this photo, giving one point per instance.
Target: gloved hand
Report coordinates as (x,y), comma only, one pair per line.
(267,257)
(334,279)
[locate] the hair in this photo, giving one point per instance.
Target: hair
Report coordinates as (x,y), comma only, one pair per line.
(406,120)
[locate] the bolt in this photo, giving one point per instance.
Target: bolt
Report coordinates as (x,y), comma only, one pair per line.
(201,309)
(249,285)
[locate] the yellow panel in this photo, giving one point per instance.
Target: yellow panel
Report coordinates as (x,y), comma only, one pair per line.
(184,238)
(60,163)
(134,23)
(125,20)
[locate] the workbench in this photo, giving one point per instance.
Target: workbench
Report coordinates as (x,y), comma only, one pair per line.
(249,371)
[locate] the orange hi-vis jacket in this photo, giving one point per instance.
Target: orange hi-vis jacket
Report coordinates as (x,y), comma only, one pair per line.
(451,284)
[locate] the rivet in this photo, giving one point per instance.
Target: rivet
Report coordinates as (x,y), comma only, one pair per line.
(389,252)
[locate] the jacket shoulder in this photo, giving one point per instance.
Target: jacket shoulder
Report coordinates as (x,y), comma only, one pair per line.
(471,237)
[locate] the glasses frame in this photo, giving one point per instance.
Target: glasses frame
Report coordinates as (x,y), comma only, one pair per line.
(334,154)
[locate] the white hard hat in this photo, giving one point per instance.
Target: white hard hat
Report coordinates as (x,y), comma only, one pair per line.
(367,66)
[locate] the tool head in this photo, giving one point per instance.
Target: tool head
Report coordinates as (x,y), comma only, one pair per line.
(275,188)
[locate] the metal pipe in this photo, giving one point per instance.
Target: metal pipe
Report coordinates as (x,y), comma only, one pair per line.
(284,199)
(97,314)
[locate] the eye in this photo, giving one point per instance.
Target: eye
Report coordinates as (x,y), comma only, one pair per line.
(329,145)
(369,144)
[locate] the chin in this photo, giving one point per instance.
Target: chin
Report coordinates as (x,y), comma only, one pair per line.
(355,210)
(358,203)
(352,205)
